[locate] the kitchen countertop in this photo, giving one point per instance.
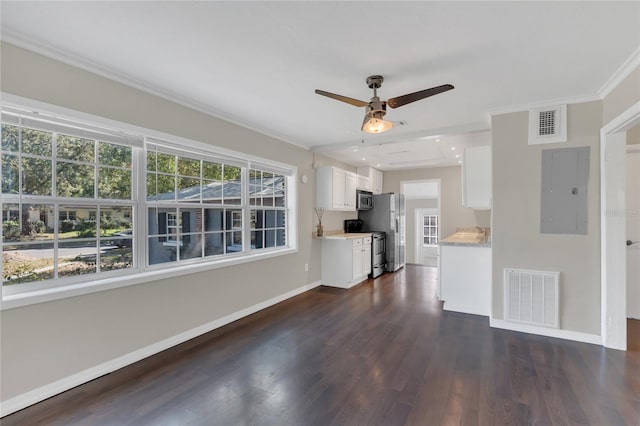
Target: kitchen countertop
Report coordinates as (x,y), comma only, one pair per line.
(344,236)
(470,237)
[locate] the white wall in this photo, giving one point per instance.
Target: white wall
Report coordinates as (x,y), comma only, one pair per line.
(48,342)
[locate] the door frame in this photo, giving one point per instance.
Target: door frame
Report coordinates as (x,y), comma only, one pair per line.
(613,320)
(420,212)
(439,202)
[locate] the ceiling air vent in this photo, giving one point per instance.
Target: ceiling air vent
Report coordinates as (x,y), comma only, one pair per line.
(548,125)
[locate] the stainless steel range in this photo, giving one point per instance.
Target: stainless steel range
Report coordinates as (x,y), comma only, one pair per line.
(378,246)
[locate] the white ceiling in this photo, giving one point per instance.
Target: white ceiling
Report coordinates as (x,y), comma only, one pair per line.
(258,63)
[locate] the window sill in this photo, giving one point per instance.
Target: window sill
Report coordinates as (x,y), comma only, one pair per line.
(56,293)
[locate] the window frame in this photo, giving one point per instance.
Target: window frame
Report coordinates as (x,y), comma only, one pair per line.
(47,290)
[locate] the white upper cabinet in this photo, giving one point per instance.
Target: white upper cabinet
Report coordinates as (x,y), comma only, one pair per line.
(476,178)
(335,189)
(363,182)
(375,178)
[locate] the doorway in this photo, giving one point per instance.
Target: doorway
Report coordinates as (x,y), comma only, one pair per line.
(421,197)
(613,142)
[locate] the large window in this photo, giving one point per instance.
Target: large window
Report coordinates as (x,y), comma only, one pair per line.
(82,202)
(52,181)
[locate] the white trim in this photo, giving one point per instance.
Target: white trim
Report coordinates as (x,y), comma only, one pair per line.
(36,395)
(542,104)
(11,37)
(62,292)
(544,331)
(612,319)
(627,67)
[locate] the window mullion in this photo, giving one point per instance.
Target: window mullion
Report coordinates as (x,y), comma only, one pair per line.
(246,213)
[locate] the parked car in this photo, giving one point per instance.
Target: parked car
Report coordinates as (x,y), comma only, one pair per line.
(122,239)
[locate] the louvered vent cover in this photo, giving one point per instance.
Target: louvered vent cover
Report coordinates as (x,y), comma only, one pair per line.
(548,125)
(531,297)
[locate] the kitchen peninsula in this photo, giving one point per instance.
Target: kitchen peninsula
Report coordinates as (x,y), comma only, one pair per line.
(465,271)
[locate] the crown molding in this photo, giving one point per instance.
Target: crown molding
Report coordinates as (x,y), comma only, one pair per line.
(541,104)
(12,37)
(627,67)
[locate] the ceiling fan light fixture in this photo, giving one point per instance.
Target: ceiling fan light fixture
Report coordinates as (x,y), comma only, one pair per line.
(375,123)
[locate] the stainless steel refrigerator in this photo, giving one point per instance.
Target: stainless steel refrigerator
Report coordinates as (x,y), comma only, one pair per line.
(387,215)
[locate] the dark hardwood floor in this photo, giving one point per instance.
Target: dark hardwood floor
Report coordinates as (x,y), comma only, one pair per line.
(382,353)
(633,335)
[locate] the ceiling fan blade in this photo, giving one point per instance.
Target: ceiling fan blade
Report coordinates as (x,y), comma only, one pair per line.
(350,101)
(416,96)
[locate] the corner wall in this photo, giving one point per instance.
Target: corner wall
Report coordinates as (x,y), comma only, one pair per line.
(517,241)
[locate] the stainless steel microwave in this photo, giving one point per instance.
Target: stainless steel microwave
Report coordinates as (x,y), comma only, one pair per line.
(364,200)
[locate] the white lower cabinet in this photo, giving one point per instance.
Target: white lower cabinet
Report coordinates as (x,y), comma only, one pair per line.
(345,261)
(465,279)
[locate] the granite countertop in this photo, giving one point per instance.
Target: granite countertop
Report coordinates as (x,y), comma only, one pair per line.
(470,237)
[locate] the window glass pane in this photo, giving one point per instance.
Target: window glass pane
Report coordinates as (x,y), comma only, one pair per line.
(116,221)
(214,244)
(257,239)
(232,173)
(78,149)
(280,218)
(35,223)
(10,174)
(84,224)
(151,161)
(212,171)
(233,220)
(190,221)
(189,189)
(75,180)
(212,192)
(114,155)
(165,187)
(10,138)
(114,257)
(76,258)
(280,237)
(36,176)
(188,167)
(27,263)
(36,142)
(166,163)
(270,218)
(214,219)
(114,183)
(191,247)
(233,242)
(161,251)
(232,193)
(269,238)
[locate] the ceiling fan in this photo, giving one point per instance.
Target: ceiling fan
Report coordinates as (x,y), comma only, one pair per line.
(374,121)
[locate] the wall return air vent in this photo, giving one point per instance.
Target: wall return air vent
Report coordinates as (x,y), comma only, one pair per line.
(548,125)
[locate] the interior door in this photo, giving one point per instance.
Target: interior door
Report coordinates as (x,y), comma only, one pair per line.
(427,237)
(633,232)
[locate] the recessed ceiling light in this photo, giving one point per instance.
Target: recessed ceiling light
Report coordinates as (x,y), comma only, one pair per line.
(457,155)
(355,149)
(364,159)
(453,148)
(459,161)
(378,165)
(437,140)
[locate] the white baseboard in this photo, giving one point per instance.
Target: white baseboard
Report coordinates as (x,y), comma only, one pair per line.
(549,332)
(34,396)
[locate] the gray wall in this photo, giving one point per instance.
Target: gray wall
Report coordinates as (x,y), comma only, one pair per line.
(50,341)
(410,212)
(633,135)
(453,214)
(517,241)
